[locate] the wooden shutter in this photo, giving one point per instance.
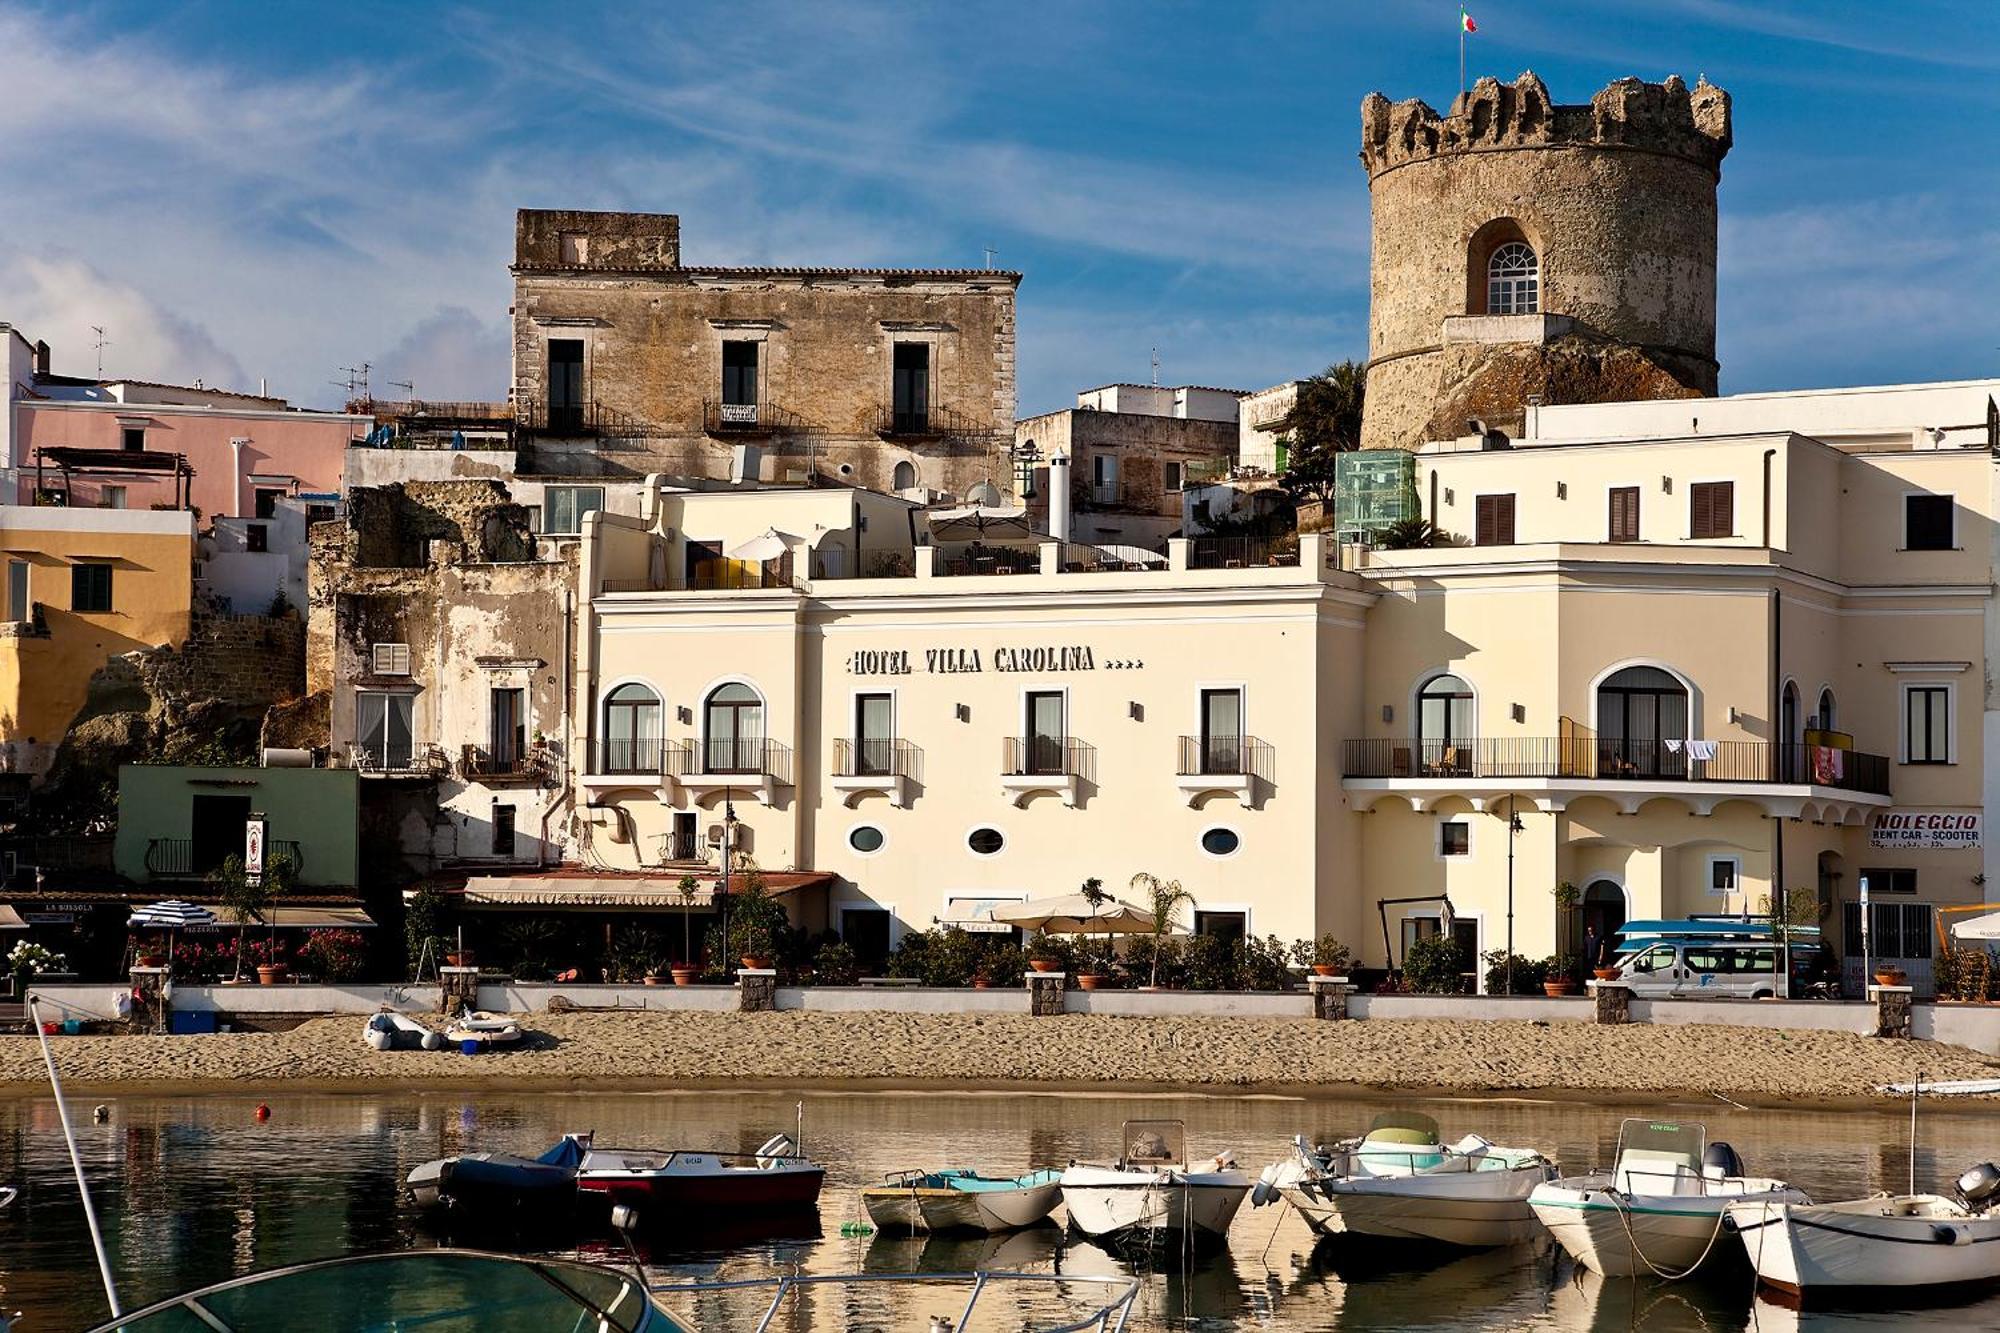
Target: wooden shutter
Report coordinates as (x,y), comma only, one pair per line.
(1625,513)
(1714,509)
(1493,520)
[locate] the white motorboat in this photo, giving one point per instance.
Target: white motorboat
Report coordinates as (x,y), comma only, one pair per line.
(961,1200)
(1399,1182)
(1660,1208)
(486,1030)
(1888,1241)
(387,1030)
(1151,1189)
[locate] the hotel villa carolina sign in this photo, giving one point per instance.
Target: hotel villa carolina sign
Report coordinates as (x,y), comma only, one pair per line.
(970,661)
(1925,830)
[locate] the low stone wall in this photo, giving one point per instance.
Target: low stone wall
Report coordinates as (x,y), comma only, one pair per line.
(101,1000)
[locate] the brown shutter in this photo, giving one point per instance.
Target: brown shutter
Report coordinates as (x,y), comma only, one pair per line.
(1723,508)
(1493,521)
(1625,513)
(1712,506)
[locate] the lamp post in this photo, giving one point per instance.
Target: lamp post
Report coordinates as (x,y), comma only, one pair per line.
(1513,828)
(728,841)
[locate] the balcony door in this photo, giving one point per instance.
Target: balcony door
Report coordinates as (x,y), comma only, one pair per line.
(1444,726)
(739,383)
(874,734)
(1639,710)
(631,730)
(1222,731)
(735,722)
(565,384)
(507,730)
(215,830)
(912,388)
(1046,731)
(385,726)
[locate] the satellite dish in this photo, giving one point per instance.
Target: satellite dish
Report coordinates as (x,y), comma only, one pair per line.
(984,494)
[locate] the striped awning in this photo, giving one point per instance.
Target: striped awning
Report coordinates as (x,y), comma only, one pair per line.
(173,914)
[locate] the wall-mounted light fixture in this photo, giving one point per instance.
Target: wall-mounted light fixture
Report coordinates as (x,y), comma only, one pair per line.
(1667,485)
(1520,712)
(1562,490)
(1388,712)
(963,712)
(685,714)
(1450,497)
(1136,710)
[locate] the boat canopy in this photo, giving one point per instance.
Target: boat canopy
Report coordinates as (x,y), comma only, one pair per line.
(1698,929)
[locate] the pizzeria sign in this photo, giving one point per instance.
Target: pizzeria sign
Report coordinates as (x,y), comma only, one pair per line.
(1925,830)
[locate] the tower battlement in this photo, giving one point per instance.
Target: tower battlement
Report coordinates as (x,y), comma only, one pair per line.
(1666,118)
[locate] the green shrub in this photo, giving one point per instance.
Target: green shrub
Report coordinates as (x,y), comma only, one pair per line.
(1212,964)
(1528,974)
(1168,952)
(1003,964)
(1326,951)
(1265,963)
(426,919)
(834,964)
(1434,966)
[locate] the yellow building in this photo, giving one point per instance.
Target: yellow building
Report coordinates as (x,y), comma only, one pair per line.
(82,586)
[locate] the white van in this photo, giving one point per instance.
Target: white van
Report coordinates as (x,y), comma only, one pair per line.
(1689,969)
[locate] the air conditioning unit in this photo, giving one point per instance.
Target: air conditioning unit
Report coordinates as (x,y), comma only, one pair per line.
(391,659)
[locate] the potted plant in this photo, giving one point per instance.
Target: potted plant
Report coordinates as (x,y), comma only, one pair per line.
(27,961)
(1165,897)
(1605,973)
(1325,956)
(1559,976)
(1043,953)
(1888,974)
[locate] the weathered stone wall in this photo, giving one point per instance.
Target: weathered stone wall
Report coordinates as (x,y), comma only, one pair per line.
(653,340)
(1143,446)
(236,659)
(1617,198)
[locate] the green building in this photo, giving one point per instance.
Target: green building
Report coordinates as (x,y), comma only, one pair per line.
(176,824)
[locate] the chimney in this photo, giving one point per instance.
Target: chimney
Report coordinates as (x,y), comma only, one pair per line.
(1059,497)
(41,357)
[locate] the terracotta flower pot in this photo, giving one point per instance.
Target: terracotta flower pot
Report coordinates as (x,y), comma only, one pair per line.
(1891,976)
(1091,980)
(1557,989)
(463,958)
(756,963)
(653,979)
(1605,973)
(1045,964)
(270,974)
(684,976)
(152,960)
(982,982)
(1325,970)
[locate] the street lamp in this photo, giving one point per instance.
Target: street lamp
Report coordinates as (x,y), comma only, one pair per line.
(728,842)
(1513,829)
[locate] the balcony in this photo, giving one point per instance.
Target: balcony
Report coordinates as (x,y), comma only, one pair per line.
(875,764)
(928,423)
(531,764)
(753,765)
(1704,773)
(725,575)
(1058,764)
(1243,552)
(1231,764)
(740,420)
(989,560)
(174,858)
(422,762)
(574,421)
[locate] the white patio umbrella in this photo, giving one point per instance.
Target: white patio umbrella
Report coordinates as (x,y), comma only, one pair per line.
(1983,927)
(170,915)
(1133,555)
(768,545)
(1073,914)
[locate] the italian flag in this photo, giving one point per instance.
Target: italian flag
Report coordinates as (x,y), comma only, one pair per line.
(1465,22)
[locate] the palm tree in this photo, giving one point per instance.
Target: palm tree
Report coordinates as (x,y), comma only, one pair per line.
(1166,897)
(1325,421)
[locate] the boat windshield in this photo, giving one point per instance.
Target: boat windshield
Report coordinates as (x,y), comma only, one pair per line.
(1403,1127)
(1155,1143)
(440,1291)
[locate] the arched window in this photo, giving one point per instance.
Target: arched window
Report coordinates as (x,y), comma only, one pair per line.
(1791,733)
(1826,717)
(1639,711)
(733,730)
(906,476)
(1513,280)
(631,730)
(1444,726)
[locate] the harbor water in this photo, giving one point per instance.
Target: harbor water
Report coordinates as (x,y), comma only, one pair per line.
(197,1190)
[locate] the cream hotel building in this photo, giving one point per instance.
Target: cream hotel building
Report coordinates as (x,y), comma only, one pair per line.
(1687,654)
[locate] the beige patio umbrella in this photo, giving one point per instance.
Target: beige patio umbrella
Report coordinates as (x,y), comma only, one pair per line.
(1074,914)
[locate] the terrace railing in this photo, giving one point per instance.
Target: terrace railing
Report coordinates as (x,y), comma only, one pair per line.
(1608,759)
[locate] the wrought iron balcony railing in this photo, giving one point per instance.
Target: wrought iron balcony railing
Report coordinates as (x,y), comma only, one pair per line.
(1225,756)
(873,757)
(1611,759)
(1048,756)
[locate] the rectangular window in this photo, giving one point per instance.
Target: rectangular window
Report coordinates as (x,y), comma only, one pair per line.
(319,513)
(1624,513)
(1901,879)
(256,537)
(1222,731)
(687,828)
(266,501)
(563,508)
(739,376)
(1175,475)
(112,497)
(1927,523)
(1494,521)
(565,384)
(573,247)
(507,726)
(912,387)
(384,729)
(1104,479)
(17,590)
(132,439)
(1712,509)
(1454,838)
(1725,875)
(1926,724)
(503,830)
(90,587)
(1895,930)
(1222,925)
(874,733)
(1045,732)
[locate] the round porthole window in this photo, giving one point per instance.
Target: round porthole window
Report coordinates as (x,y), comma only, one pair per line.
(1221,841)
(865,838)
(985,841)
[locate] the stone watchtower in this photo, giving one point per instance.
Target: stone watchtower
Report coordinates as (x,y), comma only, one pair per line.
(1525,249)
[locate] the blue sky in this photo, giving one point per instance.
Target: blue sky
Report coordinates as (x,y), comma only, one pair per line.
(240,191)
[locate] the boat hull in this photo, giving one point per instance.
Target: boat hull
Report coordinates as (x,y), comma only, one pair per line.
(491,1186)
(1108,1202)
(1642,1235)
(1473,1216)
(1860,1245)
(896,1208)
(693,1181)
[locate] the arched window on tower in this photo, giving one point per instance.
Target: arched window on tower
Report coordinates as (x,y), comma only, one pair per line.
(1514,280)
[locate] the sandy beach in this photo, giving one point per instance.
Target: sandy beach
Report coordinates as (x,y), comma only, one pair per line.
(641,1050)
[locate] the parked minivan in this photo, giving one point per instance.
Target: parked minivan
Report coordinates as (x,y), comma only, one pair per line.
(1691,968)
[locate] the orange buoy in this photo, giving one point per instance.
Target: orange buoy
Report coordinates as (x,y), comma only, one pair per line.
(263,1111)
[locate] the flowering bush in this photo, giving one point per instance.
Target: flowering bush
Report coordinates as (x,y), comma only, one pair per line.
(334,955)
(31,960)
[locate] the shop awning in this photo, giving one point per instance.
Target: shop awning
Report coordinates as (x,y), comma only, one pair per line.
(299,918)
(640,892)
(11,919)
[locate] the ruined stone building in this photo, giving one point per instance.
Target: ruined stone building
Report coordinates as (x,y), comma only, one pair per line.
(440,633)
(1134,450)
(1524,252)
(628,361)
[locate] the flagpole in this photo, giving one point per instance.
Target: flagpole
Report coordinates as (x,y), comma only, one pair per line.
(1461,49)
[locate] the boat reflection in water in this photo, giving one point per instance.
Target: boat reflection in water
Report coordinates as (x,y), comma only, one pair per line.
(958,1252)
(1373,1283)
(1585,1300)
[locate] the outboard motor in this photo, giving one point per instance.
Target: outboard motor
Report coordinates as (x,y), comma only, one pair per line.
(1719,1161)
(1978,1186)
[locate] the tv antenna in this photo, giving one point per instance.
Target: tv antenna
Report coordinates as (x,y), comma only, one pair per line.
(1156,367)
(990,253)
(409,389)
(102,343)
(356,382)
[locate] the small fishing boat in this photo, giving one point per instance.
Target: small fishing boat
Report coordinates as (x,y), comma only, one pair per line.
(1399,1182)
(1899,1241)
(1660,1208)
(387,1030)
(661,1185)
(961,1200)
(495,1188)
(487,1030)
(1150,1188)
